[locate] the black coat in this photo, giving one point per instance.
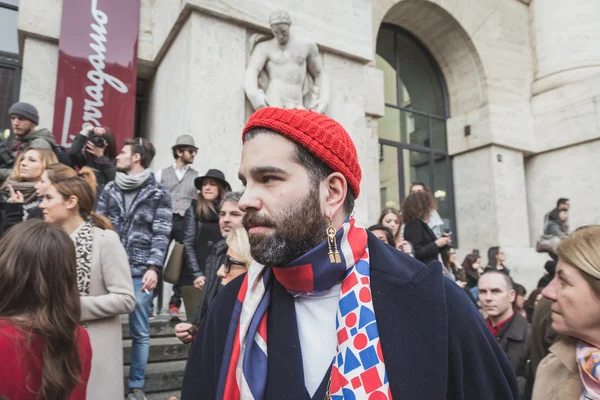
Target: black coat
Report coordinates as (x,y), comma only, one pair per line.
(216,257)
(515,340)
(423,240)
(435,343)
(104,168)
(13,215)
(197,237)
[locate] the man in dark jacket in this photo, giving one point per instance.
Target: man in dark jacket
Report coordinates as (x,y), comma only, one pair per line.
(230,218)
(24,120)
(327,309)
(140,211)
(513,332)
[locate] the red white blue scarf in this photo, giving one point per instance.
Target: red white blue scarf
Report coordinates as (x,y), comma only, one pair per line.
(358,369)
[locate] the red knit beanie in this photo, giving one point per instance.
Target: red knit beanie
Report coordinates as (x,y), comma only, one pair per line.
(320,135)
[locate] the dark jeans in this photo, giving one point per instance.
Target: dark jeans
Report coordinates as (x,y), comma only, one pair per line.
(177,234)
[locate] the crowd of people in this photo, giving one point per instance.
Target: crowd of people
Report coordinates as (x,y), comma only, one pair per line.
(286,296)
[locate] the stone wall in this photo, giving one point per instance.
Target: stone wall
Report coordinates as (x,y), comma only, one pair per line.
(570,172)
(197,90)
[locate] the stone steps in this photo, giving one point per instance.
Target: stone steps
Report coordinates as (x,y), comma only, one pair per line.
(163,395)
(162,376)
(166,361)
(161,349)
(159,327)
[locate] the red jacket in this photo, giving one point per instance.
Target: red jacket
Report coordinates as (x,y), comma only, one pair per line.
(21,365)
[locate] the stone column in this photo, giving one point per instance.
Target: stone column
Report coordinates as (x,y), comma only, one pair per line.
(38,77)
(566,108)
(566,36)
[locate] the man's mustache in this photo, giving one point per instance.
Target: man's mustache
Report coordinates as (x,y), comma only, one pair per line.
(253,219)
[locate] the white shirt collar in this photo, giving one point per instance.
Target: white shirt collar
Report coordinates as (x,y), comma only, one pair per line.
(182,170)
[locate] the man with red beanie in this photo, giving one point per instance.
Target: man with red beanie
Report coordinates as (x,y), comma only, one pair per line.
(327,310)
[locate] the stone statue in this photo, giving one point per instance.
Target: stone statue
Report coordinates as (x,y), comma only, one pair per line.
(285,71)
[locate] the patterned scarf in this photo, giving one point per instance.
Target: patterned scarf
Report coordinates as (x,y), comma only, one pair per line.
(358,369)
(83,254)
(588,361)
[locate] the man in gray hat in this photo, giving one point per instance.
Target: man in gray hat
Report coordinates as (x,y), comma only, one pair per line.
(24,119)
(179,178)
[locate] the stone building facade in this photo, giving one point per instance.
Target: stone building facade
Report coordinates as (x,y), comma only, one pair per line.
(493,103)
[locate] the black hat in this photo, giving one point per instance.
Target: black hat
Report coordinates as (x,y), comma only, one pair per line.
(213,174)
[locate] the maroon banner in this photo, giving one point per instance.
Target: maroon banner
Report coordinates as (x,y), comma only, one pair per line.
(97,68)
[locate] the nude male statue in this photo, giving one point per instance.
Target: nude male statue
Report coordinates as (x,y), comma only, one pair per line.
(286,61)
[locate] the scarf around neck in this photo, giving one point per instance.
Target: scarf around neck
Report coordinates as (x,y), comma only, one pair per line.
(358,367)
(588,362)
(27,189)
(131,182)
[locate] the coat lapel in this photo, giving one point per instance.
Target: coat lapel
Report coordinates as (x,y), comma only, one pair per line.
(285,379)
(285,376)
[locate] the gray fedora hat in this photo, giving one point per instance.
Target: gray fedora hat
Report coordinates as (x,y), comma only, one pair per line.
(184,141)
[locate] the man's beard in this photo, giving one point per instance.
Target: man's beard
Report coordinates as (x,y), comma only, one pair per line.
(296,231)
(25,132)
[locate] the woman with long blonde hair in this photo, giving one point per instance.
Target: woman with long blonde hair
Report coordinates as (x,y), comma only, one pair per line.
(23,186)
(103,273)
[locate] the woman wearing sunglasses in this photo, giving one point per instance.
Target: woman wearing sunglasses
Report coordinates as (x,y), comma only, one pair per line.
(238,257)
(237,261)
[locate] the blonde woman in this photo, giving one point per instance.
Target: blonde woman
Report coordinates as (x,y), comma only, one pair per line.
(237,261)
(238,257)
(22,186)
(571,370)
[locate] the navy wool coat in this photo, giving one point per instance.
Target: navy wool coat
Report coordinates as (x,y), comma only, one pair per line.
(435,343)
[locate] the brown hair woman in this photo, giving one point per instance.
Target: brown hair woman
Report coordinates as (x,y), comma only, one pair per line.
(416,210)
(201,227)
(391,218)
(103,275)
(45,353)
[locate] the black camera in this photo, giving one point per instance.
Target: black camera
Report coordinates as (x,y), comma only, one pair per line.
(98,141)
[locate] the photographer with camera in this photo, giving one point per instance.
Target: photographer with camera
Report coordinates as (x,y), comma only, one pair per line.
(95,147)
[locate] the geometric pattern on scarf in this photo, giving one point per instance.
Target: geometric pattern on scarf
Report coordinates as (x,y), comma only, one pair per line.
(358,370)
(588,361)
(83,255)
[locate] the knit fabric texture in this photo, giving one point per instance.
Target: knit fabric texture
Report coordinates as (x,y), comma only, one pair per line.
(323,137)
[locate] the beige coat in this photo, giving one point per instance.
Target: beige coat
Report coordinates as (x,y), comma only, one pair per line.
(111,294)
(557,376)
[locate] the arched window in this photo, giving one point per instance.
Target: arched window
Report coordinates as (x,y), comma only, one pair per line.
(10,70)
(412,134)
